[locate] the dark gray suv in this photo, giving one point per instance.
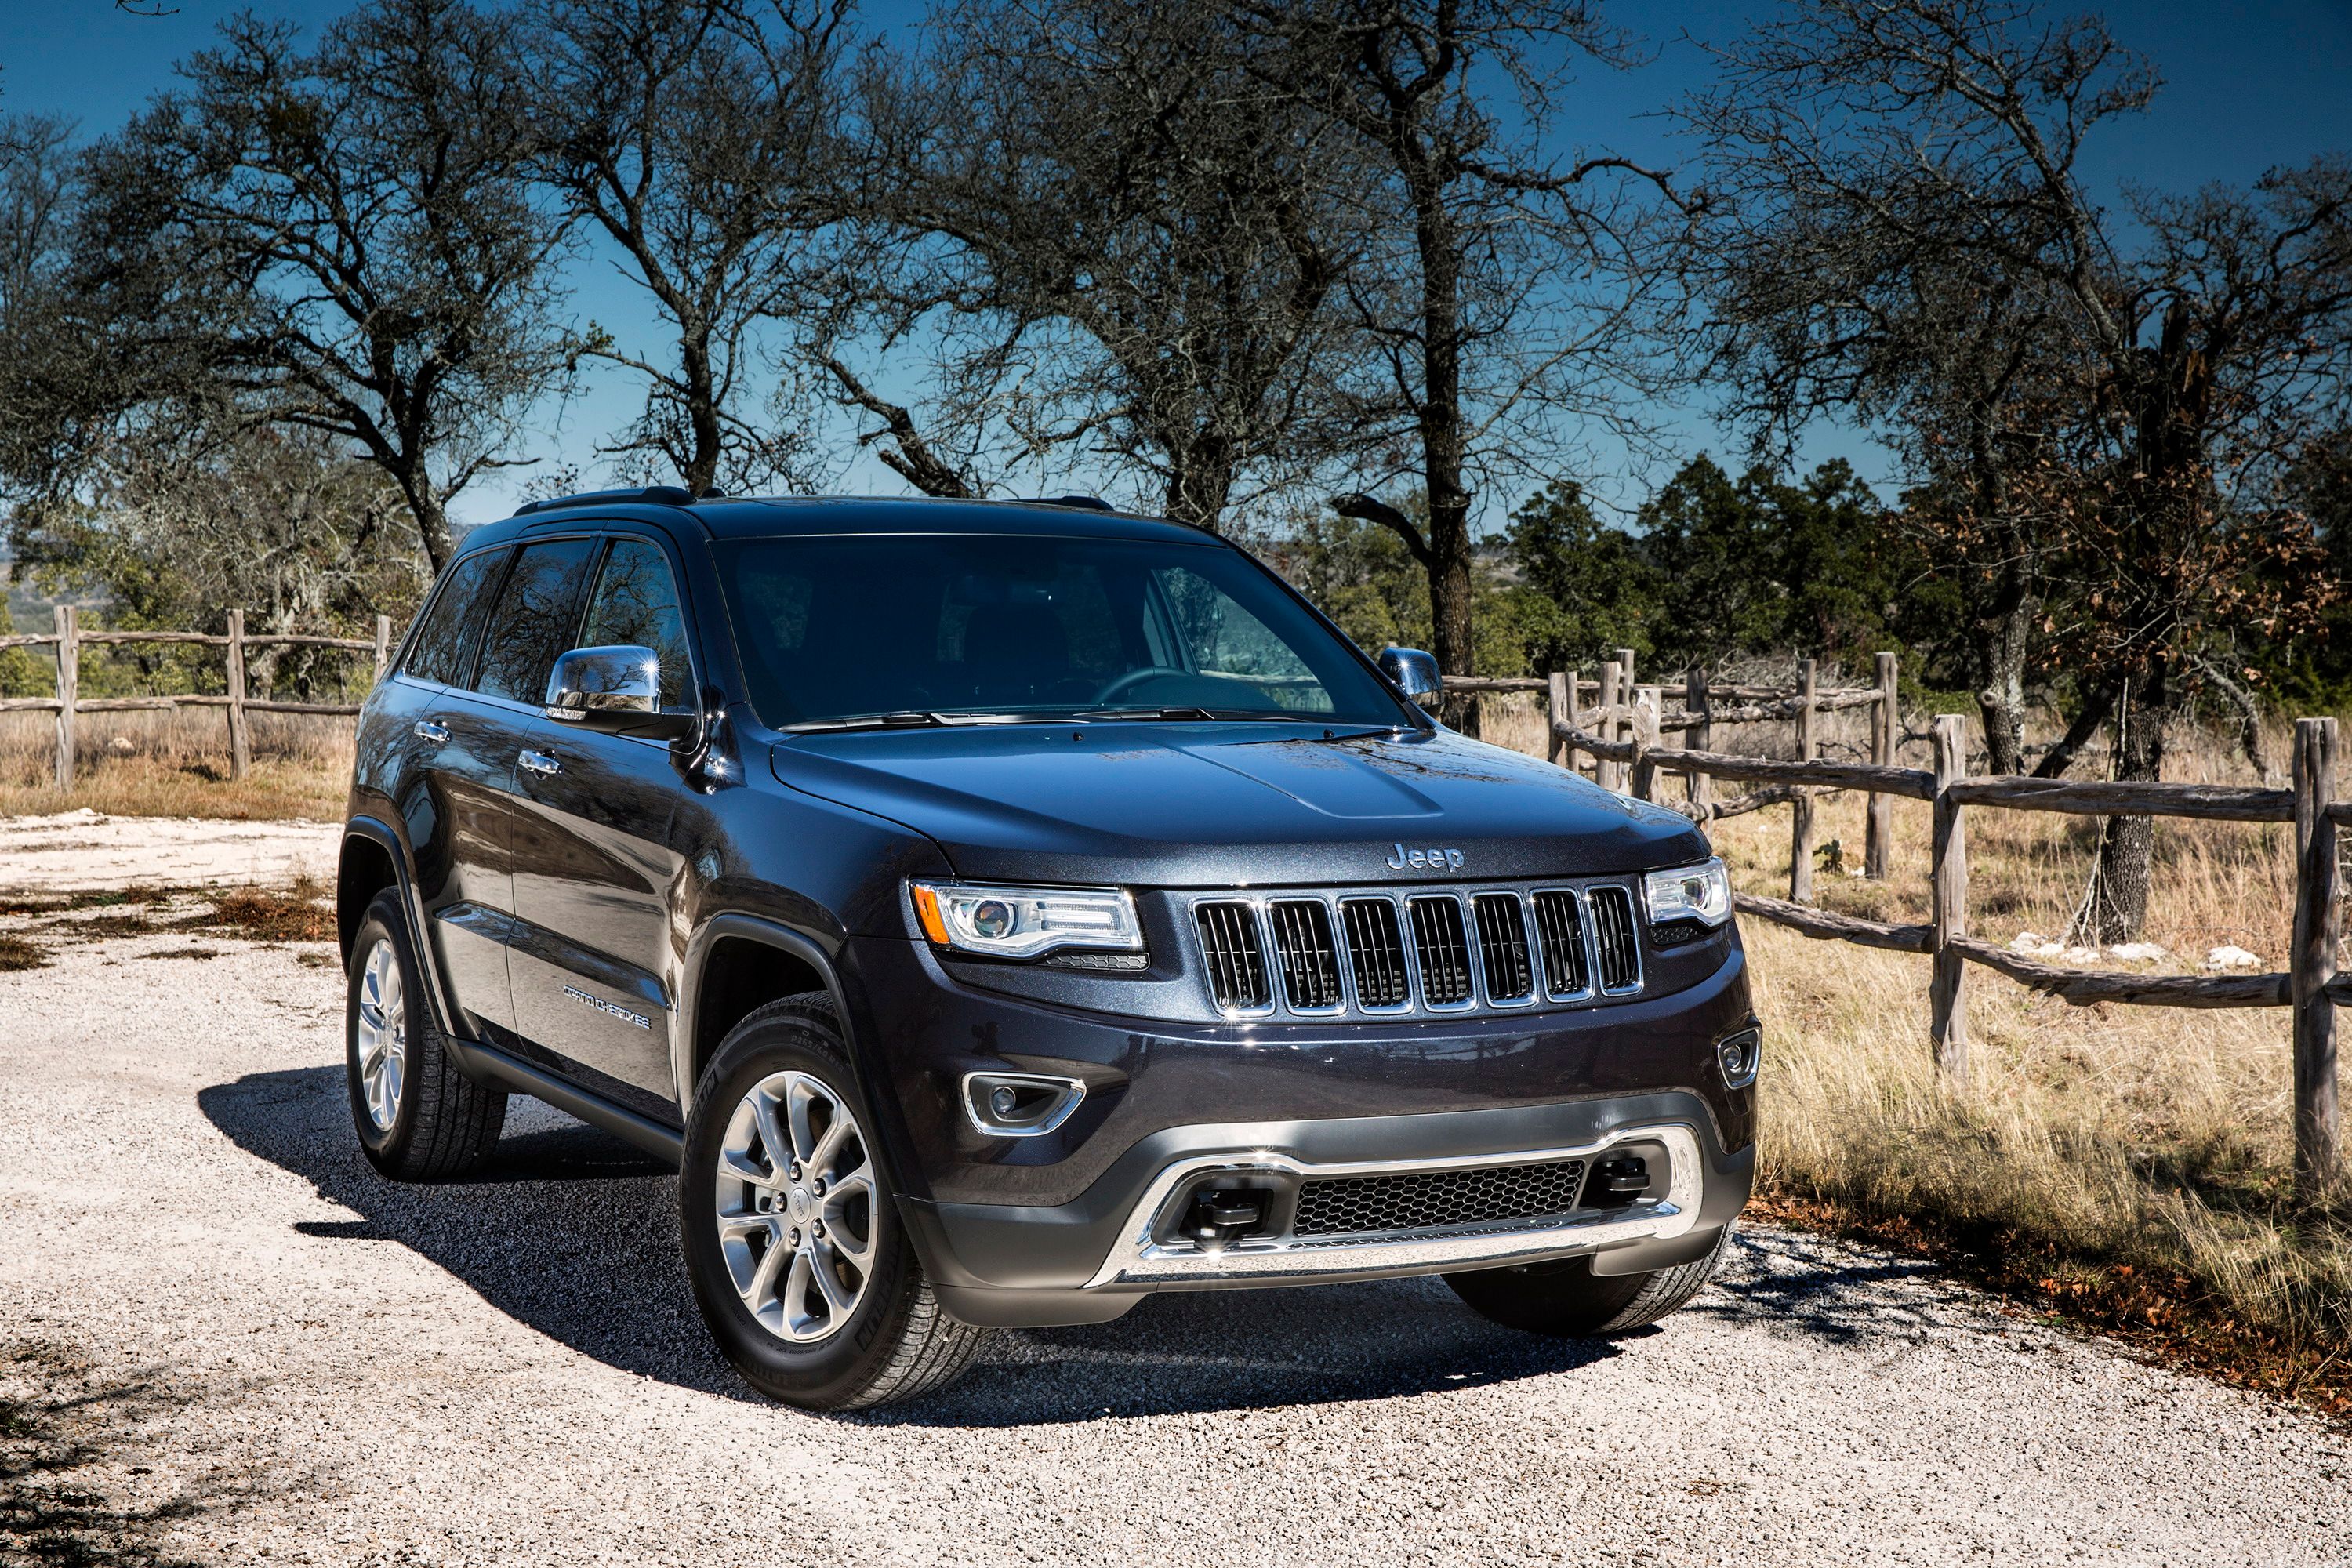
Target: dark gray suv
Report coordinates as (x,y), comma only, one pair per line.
(1001,912)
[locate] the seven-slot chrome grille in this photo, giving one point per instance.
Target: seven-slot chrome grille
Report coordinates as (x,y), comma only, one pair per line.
(1418,952)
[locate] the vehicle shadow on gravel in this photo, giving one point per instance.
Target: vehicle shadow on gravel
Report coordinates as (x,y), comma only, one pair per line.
(573,1232)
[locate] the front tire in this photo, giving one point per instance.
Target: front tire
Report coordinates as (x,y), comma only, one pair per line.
(1567,1301)
(790,1228)
(418,1117)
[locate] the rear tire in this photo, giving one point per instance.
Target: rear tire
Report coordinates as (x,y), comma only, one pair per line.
(419,1118)
(1568,1300)
(790,1230)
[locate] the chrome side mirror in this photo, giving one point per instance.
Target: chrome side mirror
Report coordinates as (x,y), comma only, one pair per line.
(616,690)
(1415,674)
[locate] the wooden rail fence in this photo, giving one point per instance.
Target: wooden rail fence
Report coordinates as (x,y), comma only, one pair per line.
(1621,733)
(69,640)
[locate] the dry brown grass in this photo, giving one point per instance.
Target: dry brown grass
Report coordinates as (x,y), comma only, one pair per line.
(175,764)
(2127,1167)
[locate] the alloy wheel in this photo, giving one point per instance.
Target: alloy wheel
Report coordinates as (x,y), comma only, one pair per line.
(382,1029)
(796,1206)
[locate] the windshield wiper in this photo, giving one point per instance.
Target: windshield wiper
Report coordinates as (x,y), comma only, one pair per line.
(910,719)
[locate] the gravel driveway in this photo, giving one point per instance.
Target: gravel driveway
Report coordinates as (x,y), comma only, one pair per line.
(226,1340)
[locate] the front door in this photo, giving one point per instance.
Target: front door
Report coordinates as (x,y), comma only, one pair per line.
(594,957)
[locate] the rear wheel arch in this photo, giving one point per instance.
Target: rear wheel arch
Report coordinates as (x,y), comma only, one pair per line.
(364,870)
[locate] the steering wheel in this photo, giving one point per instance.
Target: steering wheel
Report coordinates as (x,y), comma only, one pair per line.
(1121,684)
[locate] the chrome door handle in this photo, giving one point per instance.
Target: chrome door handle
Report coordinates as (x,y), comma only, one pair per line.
(538,763)
(426,729)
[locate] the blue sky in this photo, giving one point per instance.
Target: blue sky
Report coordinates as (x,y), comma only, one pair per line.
(2247,87)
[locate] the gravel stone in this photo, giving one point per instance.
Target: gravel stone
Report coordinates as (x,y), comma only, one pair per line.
(307,1363)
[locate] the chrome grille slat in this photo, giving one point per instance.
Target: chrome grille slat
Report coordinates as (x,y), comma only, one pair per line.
(1559,926)
(1237,976)
(1417,952)
(1310,963)
(1442,946)
(1503,947)
(1376,953)
(1614,942)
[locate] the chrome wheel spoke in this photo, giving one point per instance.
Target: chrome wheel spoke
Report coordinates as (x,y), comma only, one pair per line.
(828,1146)
(744,1169)
(748,1223)
(771,1135)
(379,1035)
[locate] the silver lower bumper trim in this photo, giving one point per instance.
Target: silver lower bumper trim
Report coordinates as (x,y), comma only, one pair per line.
(1140,1258)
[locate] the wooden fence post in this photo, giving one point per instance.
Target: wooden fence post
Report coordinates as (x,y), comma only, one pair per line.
(1699,737)
(1646,740)
(240,743)
(382,644)
(69,686)
(1605,770)
(1621,730)
(1575,718)
(2312,962)
(1801,836)
(1948,878)
(1879,834)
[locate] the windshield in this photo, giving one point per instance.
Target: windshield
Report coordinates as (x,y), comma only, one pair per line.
(930,628)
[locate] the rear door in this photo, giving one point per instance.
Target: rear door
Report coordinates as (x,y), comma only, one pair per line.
(488,725)
(450,783)
(596,957)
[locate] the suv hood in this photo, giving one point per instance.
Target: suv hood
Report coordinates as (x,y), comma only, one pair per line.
(1228,805)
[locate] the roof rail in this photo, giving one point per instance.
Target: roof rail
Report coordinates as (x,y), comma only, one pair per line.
(1083,503)
(660,495)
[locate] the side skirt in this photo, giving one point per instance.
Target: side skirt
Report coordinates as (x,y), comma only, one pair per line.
(489,1065)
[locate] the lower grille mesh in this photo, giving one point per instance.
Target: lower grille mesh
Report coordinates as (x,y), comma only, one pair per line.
(1344,1205)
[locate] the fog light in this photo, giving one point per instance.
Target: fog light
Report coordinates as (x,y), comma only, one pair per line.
(1738,1056)
(1019,1105)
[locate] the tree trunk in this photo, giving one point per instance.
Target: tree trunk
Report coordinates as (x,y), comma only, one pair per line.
(432,519)
(1199,482)
(701,470)
(2117,904)
(2000,652)
(1450,561)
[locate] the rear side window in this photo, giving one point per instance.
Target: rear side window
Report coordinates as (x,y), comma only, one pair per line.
(635,602)
(446,639)
(534,620)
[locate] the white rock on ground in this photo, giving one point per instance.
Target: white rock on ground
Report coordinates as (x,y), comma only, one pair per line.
(84,851)
(2231,956)
(511,1371)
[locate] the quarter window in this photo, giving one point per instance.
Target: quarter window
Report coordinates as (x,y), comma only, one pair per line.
(445,642)
(635,602)
(533,621)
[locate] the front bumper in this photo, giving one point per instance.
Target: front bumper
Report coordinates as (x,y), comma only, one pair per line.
(1086,1261)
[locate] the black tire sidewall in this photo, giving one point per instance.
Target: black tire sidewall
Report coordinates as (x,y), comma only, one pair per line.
(834,1372)
(385,1148)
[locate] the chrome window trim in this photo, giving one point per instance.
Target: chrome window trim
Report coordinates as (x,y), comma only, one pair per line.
(1137,1259)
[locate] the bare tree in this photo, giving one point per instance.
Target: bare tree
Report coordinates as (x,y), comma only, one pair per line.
(700,137)
(1108,197)
(1910,169)
(1511,298)
(346,240)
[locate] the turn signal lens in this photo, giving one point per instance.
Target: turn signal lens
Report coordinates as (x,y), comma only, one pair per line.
(1026,922)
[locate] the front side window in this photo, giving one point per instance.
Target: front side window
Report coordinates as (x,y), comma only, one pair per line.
(533,621)
(445,641)
(1031,627)
(635,602)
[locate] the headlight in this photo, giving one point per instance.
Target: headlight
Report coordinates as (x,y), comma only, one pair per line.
(1025,922)
(1700,892)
